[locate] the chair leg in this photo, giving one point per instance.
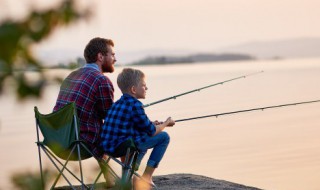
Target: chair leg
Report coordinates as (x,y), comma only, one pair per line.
(128,169)
(80,165)
(64,167)
(40,162)
(106,170)
(112,172)
(60,171)
(39,153)
(125,169)
(61,164)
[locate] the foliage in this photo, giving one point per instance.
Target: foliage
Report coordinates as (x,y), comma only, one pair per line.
(17,38)
(30,180)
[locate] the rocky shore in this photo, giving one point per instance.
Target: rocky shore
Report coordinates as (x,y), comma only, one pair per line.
(187,182)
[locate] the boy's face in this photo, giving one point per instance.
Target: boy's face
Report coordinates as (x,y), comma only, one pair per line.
(141,89)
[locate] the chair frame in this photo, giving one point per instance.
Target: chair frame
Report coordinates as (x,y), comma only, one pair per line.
(75,147)
(127,166)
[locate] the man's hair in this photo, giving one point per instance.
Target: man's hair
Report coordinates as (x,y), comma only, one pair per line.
(95,46)
(129,77)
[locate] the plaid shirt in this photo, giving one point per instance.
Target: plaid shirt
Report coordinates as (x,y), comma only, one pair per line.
(125,119)
(93,94)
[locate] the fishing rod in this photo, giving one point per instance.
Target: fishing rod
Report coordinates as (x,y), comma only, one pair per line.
(247,110)
(198,89)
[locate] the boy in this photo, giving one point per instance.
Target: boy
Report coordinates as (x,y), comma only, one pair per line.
(126,119)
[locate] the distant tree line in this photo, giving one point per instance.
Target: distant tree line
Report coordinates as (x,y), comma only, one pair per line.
(80,62)
(193,58)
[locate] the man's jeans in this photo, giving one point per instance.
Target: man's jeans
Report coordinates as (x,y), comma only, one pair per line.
(159,143)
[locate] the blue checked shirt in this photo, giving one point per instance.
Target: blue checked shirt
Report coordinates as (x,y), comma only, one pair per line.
(125,119)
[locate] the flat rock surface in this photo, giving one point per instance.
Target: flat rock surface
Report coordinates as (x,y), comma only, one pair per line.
(190,181)
(187,182)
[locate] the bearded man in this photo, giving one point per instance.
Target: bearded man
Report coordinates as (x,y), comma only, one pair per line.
(92,92)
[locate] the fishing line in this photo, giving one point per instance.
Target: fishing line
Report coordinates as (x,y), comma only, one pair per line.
(199,89)
(247,110)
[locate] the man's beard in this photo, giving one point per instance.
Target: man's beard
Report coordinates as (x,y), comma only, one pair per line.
(107,68)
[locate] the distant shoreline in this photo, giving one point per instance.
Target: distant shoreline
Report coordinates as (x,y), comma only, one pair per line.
(194,58)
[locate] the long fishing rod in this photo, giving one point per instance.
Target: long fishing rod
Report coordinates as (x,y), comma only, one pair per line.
(198,89)
(247,110)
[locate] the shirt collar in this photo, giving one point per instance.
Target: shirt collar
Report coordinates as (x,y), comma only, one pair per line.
(93,66)
(128,95)
(125,95)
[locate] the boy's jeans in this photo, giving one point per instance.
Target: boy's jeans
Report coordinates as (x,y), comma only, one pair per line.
(159,143)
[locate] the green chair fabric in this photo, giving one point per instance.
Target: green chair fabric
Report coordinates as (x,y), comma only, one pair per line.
(60,131)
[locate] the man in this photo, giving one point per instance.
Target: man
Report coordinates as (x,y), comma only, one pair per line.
(92,92)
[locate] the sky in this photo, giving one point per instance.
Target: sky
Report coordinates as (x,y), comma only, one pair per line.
(188,25)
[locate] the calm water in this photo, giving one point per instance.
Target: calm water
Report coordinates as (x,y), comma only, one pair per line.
(271,149)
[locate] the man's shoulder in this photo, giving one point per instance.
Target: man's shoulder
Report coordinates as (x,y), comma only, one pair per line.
(91,73)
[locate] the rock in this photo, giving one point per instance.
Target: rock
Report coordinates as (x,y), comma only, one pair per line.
(185,182)
(190,181)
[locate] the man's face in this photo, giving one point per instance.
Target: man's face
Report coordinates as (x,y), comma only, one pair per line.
(108,61)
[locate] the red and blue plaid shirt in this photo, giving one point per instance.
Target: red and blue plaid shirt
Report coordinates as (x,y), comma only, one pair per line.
(125,119)
(93,94)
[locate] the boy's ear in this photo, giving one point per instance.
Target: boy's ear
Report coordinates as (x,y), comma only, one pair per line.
(133,90)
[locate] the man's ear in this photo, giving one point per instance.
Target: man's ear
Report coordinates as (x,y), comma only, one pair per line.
(99,56)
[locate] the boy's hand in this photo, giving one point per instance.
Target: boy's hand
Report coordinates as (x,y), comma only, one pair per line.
(156,122)
(169,122)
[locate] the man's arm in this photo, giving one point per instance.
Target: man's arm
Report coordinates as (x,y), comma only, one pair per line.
(105,97)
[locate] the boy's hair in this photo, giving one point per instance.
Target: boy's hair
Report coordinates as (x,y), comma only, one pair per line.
(129,77)
(95,46)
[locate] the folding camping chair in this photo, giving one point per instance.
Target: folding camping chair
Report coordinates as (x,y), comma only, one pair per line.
(60,131)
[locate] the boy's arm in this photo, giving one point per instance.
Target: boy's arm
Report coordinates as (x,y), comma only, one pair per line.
(168,123)
(156,122)
(141,120)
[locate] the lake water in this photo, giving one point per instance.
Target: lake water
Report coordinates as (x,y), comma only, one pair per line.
(271,149)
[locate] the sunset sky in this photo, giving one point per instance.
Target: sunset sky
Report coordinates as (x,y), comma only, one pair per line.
(200,25)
